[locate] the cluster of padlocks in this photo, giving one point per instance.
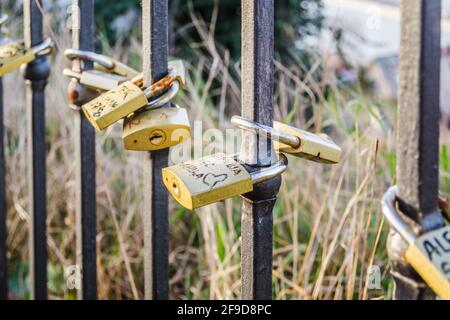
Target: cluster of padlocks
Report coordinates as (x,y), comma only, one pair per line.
(152,122)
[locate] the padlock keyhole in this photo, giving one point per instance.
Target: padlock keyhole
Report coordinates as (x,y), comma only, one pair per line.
(157,137)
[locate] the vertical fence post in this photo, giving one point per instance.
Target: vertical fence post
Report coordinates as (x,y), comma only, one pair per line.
(418,128)
(36,75)
(3,215)
(156,242)
(257,105)
(83,26)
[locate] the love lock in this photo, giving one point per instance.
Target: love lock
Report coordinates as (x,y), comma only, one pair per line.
(129,97)
(156,129)
(286,139)
(214,178)
(428,254)
(15,54)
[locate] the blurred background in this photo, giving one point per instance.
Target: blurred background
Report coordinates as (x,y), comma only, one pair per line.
(336,72)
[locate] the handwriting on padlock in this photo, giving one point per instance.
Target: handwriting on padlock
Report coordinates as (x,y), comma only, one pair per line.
(207,180)
(114,105)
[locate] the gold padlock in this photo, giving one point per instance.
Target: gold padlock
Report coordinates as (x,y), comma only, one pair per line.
(214,178)
(286,139)
(97,80)
(15,54)
(102,62)
(156,129)
(428,254)
(127,98)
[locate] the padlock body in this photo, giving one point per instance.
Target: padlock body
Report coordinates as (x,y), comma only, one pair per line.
(156,129)
(430,257)
(99,80)
(207,180)
(315,147)
(180,71)
(114,105)
(13,55)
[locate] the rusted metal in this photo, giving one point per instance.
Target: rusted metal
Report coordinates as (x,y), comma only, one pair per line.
(156,224)
(418,134)
(257,151)
(36,75)
(83,39)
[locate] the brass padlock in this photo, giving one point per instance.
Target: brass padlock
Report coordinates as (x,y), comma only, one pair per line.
(428,254)
(15,54)
(214,178)
(102,62)
(157,129)
(286,139)
(97,80)
(127,98)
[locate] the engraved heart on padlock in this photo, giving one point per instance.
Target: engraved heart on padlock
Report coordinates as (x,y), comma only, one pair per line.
(211,179)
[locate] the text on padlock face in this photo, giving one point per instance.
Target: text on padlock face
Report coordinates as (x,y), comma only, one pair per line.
(207,180)
(13,55)
(315,147)
(430,257)
(114,105)
(156,129)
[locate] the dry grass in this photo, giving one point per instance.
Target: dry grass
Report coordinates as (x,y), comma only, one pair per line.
(328,225)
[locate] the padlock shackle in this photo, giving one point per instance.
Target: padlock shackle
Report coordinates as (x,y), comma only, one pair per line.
(267,173)
(44,47)
(164,98)
(266,131)
(392,215)
(102,60)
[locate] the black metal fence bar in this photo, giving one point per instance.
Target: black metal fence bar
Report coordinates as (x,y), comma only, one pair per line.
(418,124)
(257,104)
(156,261)
(3,236)
(36,75)
(83,26)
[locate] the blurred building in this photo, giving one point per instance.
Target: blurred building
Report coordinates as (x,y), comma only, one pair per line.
(372,39)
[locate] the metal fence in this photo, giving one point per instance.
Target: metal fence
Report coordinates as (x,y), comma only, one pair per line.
(418,132)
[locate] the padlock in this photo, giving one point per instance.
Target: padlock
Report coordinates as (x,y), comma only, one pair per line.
(215,178)
(97,80)
(428,254)
(157,129)
(102,62)
(15,54)
(286,139)
(127,98)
